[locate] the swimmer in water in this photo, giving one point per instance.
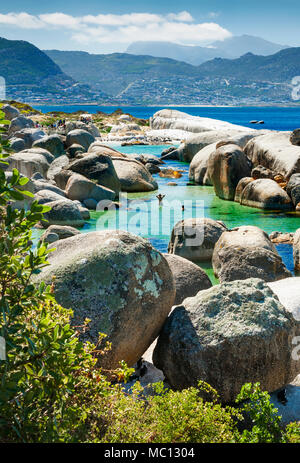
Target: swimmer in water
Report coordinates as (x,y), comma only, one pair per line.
(160,199)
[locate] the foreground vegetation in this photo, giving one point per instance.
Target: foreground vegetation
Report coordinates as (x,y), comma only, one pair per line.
(51,389)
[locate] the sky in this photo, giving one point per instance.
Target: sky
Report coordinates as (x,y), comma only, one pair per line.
(110,26)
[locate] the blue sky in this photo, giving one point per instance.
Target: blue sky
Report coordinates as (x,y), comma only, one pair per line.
(104,27)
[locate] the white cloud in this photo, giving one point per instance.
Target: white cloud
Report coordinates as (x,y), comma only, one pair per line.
(126,28)
(184,16)
(23,20)
(122,20)
(178,32)
(60,20)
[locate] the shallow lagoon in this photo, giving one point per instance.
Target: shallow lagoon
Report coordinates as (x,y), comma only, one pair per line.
(155,223)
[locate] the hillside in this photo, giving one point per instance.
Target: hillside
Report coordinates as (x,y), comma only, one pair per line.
(231,48)
(21,63)
(131,79)
(30,74)
(114,72)
(280,67)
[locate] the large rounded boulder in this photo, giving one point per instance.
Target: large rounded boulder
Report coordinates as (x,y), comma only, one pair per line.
(17,144)
(118,281)
(99,148)
(30,136)
(29,162)
(195,143)
(46,196)
(63,212)
(99,168)
(226,167)
(10,112)
(80,137)
(293,188)
(52,143)
(274,151)
(229,335)
(295,137)
(240,188)
(133,175)
(237,263)
(265,194)
(237,249)
(195,239)
(189,278)
(80,188)
(20,123)
(58,232)
(199,164)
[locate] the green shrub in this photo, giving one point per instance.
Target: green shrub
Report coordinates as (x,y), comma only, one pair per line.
(266,422)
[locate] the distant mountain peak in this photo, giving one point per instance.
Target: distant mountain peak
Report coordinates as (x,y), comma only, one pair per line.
(231,48)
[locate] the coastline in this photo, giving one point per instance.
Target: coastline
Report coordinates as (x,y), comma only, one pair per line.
(278,105)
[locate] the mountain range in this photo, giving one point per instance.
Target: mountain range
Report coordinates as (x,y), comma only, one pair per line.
(150,80)
(232,47)
(124,79)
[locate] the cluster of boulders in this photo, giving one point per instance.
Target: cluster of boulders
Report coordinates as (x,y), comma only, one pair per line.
(73,172)
(241,330)
(235,254)
(226,335)
(254,169)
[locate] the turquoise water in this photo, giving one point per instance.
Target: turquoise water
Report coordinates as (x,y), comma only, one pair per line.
(155,223)
(276,118)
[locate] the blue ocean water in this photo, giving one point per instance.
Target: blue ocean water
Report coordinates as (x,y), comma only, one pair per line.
(275,118)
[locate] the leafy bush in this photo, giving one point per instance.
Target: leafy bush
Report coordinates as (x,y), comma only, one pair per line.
(266,422)
(51,389)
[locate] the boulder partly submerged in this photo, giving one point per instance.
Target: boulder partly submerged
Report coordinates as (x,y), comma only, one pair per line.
(63,212)
(118,281)
(80,188)
(245,251)
(265,194)
(245,237)
(227,165)
(229,335)
(199,165)
(239,263)
(275,152)
(195,239)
